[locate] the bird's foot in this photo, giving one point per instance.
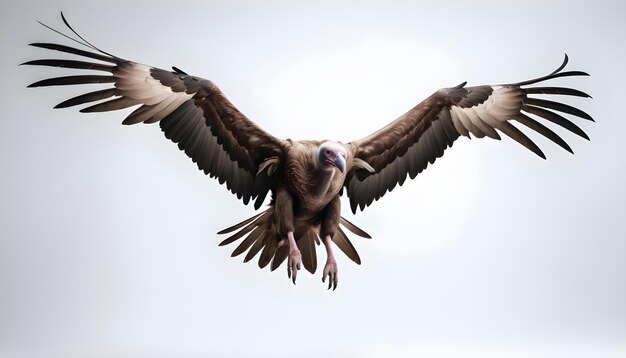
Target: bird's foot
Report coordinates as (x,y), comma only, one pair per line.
(294,262)
(330,270)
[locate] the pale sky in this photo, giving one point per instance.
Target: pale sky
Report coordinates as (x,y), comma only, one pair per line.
(108,244)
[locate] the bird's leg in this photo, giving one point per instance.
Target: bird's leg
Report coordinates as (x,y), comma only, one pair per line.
(294,261)
(330,269)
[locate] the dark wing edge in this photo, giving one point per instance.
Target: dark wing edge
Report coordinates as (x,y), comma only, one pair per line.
(192,112)
(407,145)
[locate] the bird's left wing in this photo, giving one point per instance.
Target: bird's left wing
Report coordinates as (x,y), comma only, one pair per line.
(406,146)
(192,112)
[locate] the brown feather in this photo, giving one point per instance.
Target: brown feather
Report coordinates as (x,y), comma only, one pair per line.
(344,244)
(307,250)
(279,257)
(236,236)
(268,251)
(355,229)
(258,245)
(239,225)
(247,242)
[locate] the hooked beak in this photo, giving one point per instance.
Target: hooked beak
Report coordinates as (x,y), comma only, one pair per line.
(340,163)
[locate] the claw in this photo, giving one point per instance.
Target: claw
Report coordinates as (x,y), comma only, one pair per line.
(330,270)
(294,263)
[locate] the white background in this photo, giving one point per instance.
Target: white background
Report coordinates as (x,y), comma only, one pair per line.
(108,244)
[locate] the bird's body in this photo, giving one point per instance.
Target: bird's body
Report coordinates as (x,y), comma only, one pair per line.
(306,206)
(311,187)
(307,178)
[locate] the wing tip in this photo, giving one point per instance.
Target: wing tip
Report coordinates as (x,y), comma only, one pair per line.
(535,149)
(566,147)
(63,18)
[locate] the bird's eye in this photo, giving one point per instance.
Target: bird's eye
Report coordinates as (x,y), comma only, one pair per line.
(327,151)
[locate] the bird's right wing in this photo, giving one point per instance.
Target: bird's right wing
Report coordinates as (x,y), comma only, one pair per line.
(406,145)
(192,112)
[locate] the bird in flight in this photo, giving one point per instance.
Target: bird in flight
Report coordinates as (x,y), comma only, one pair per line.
(305,177)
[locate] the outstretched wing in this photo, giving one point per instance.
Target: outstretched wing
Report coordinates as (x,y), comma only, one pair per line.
(192,112)
(407,145)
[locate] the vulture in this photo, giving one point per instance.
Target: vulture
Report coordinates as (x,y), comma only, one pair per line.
(305,178)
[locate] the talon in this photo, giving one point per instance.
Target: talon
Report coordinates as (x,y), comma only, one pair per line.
(294,263)
(330,270)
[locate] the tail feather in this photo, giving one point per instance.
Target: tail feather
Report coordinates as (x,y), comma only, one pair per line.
(247,242)
(343,243)
(268,252)
(239,226)
(279,257)
(307,249)
(355,229)
(256,247)
(260,235)
(238,235)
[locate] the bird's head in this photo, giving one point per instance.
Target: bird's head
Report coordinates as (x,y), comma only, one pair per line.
(331,155)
